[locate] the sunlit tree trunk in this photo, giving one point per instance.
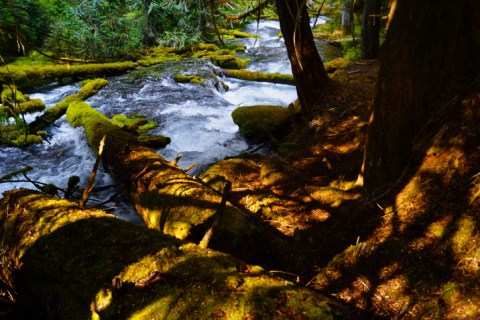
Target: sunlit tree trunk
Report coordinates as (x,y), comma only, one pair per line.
(424,47)
(307,67)
(371,29)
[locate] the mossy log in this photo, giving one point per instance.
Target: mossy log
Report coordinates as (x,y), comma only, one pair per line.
(276,77)
(27,76)
(170,200)
(69,263)
(56,112)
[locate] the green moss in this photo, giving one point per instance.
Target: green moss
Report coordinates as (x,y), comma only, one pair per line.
(133,123)
(33,75)
(235,33)
(229,61)
(262,123)
(8,97)
(336,64)
(31,106)
(260,76)
(57,111)
(80,113)
(189,79)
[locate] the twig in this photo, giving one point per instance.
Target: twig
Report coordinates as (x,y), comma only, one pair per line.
(190,167)
(91,179)
(108,200)
(174,162)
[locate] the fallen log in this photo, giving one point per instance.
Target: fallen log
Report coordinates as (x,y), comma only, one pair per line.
(69,263)
(170,200)
(278,78)
(56,112)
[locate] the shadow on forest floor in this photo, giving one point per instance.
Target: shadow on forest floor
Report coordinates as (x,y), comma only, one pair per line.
(412,253)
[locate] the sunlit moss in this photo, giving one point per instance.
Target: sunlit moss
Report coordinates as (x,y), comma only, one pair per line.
(54,113)
(235,33)
(463,234)
(229,61)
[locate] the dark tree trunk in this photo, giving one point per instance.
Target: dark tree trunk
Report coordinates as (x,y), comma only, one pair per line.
(371,29)
(347,17)
(307,67)
(419,57)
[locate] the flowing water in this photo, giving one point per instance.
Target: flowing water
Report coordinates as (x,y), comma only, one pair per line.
(197,118)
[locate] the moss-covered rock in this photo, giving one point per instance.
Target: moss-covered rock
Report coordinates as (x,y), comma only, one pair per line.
(133,123)
(182,78)
(262,123)
(229,61)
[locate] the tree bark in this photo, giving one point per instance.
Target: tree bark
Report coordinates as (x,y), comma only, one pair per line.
(308,72)
(69,263)
(347,17)
(170,200)
(418,61)
(371,29)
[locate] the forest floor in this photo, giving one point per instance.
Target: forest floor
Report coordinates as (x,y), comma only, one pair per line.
(411,252)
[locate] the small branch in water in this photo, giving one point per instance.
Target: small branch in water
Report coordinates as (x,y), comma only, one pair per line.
(108,200)
(91,179)
(208,235)
(174,162)
(190,167)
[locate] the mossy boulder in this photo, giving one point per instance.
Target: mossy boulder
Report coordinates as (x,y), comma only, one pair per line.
(262,123)
(229,61)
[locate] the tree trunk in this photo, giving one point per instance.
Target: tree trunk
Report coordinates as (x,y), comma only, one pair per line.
(347,17)
(417,62)
(170,200)
(308,72)
(69,263)
(371,29)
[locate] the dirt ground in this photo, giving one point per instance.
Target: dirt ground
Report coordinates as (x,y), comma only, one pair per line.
(411,253)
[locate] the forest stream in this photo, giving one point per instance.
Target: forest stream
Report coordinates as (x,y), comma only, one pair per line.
(197,118)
